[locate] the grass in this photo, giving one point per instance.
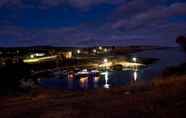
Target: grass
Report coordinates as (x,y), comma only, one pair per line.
(165,97)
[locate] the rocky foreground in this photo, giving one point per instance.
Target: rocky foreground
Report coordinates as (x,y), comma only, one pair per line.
(164,98)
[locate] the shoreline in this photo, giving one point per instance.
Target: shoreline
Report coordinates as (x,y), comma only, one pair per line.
(163,96)
(159,99)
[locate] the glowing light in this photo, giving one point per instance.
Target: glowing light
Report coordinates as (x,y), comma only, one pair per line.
(100,48)
(37,55)
(94,71)
(107,86)
(33,60)
(135,75)
(134,59)
(68,55)
(130,64)
(31,56)
(96,79)
(94,50)
(105,50)
(83,72)
(108,64)
(78,51)
(84,82)
(70,76)
(105,60)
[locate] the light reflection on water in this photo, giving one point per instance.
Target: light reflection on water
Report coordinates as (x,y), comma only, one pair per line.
(108,79)
(96,80)
(105,79)
(135,74)
(84,82)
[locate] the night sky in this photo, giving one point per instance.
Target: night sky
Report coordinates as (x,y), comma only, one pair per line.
(91,22)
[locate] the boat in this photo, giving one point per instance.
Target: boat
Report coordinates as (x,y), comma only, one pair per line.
(86,73)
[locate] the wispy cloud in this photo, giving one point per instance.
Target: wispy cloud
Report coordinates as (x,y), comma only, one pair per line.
(128,22)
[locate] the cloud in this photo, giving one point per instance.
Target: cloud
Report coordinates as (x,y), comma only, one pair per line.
(56,3)
(129,22)
(56,36)
(155,15)
(80,3)
(10,3)
(164,34)
(52,3)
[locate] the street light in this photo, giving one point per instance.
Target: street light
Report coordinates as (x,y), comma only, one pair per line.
(105,50)
(78,51)
(31,56)
(105,60)
(94,50)
(134,59)
(100,48)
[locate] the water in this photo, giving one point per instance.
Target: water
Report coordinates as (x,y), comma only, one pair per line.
(167,57)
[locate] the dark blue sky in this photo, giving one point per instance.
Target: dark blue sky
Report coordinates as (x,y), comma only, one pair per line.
(91,22)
